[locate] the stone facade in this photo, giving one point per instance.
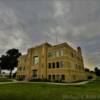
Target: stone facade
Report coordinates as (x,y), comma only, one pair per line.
(56,63)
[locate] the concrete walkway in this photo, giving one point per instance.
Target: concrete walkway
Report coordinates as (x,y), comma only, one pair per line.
(78,83)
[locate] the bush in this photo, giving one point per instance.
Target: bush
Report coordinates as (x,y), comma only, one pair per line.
(39,80)
(35,80)
(90,77)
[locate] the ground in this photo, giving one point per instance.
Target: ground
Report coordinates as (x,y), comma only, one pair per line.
(42,91)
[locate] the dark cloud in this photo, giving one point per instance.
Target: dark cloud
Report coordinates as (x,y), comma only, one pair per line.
(24,23)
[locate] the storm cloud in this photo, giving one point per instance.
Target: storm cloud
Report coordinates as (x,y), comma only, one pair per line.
(25,23)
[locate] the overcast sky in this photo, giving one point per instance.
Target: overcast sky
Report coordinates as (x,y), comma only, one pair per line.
(25,23)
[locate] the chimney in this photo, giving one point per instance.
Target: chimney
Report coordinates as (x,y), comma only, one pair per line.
(79,50)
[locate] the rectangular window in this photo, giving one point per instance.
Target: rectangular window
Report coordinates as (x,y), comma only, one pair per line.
(34,73)
(49,54)
(54,54)
(23,68)
(36,60)
(57,64)
(49,65)
(49,77)
(79,66)
(72,54)
(57,53)
(57,77)
(61,63)
(63,77)
(74,77)
(53,65)
(68,64)
(61,52)
(53,77)
(20,68)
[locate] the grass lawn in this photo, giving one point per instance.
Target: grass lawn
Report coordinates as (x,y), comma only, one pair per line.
(41,91)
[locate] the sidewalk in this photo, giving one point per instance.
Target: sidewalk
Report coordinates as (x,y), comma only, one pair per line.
(78,83)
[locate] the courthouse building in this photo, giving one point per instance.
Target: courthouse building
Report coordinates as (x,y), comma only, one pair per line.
(52,62)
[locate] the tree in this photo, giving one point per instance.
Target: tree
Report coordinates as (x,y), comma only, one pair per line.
(97,71)
(3,62)
(10,60)
(87,70)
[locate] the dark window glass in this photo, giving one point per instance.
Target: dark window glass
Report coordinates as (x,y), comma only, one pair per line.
(49,65)
(23,68)
(72,54)
(63,77)
(57,77)
(49,77)
(53,65)
(57,63)
(53,77)
(74,77)
(34,73)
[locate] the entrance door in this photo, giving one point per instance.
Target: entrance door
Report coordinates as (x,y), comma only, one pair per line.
(34,74)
